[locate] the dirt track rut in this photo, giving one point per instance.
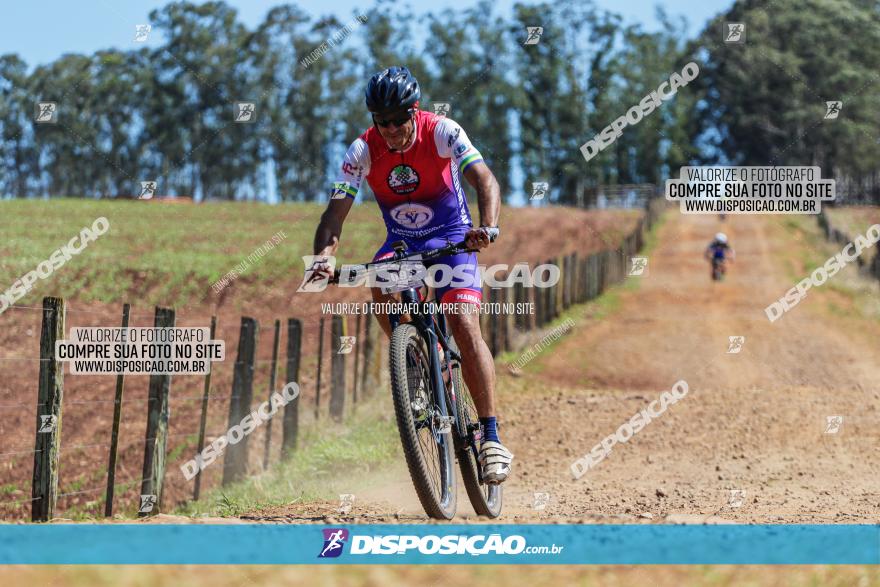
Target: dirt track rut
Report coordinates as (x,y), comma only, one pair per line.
(753,423)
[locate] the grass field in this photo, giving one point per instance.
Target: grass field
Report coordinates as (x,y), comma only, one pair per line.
(367,442)
(854,219)
(171,254)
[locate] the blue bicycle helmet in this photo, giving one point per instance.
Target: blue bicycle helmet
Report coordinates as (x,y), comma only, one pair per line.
(392,90)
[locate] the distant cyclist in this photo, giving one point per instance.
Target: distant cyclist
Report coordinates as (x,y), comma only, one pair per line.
(718,252)
(414,161)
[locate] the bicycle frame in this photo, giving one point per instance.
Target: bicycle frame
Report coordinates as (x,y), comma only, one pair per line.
(453,425)
(433,329)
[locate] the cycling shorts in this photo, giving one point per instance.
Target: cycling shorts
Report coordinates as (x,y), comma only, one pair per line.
(460,282)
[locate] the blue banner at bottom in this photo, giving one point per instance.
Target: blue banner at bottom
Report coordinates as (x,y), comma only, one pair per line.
(438,544)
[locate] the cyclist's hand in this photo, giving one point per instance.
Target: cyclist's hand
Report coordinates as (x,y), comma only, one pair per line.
(479,238)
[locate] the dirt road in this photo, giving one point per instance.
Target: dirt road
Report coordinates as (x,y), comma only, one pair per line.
(748,443)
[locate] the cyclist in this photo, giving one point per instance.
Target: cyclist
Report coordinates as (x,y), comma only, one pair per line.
(413,161)
(717,252)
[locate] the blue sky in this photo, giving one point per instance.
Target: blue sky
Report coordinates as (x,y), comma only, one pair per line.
(42,30)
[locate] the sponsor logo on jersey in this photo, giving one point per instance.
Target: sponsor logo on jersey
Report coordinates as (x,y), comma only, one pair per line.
(403,179)
(462,206)
(412,215)
(459,150)
(453,137)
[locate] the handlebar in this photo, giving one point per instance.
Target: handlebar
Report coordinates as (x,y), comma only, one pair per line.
(450,249)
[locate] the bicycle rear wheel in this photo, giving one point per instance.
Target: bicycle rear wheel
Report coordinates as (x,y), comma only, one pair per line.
(428,450)
(486,499)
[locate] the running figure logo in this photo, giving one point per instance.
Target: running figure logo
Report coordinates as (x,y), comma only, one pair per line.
(312,280)
(441,108)
(735,344)
(340,190)
(46,113)
(534,33)
(539,190)
(346,345)
(832,109)
(639,264)
(148,502)
(541,500)
(736,32)
(346,500)
(148,190)
(833,423)
(334,540)
(142,32)
(737,497)
(245,111)
(48,423)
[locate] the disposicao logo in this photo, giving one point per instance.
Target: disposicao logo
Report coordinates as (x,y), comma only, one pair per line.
(334,540)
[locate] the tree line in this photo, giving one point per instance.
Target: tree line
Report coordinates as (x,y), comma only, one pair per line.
(528,98)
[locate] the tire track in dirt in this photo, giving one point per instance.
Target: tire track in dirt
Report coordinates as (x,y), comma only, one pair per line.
(752,422)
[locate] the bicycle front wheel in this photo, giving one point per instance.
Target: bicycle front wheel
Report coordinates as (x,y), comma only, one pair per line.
(425,435)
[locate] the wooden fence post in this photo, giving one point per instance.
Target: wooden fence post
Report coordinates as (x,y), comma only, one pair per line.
(372,359)
(508,316)
(591,277)
(617,255)
(274,369)
(357,357)
(585,279)
(291,410)
(551,297)
(114,434)
(156,438)
(203,419)
(320,364)
(337,368)
(569,281)
(539,298)
(44,491)
(517,300)
(603,271)
(236,461)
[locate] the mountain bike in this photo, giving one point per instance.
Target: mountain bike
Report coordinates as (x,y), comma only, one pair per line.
(436,417)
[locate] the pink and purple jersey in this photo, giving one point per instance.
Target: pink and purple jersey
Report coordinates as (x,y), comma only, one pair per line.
(419,193)
(418,190)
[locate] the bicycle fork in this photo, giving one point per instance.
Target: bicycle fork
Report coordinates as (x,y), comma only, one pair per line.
(444,422)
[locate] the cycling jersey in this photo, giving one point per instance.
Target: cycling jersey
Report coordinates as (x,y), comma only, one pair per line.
(719,250)
(419,193)
(419,189)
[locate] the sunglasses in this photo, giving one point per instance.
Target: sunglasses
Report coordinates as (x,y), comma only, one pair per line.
(403,119)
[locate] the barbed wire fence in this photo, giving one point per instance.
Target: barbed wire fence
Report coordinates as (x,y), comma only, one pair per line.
(127,438)
(109,433)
